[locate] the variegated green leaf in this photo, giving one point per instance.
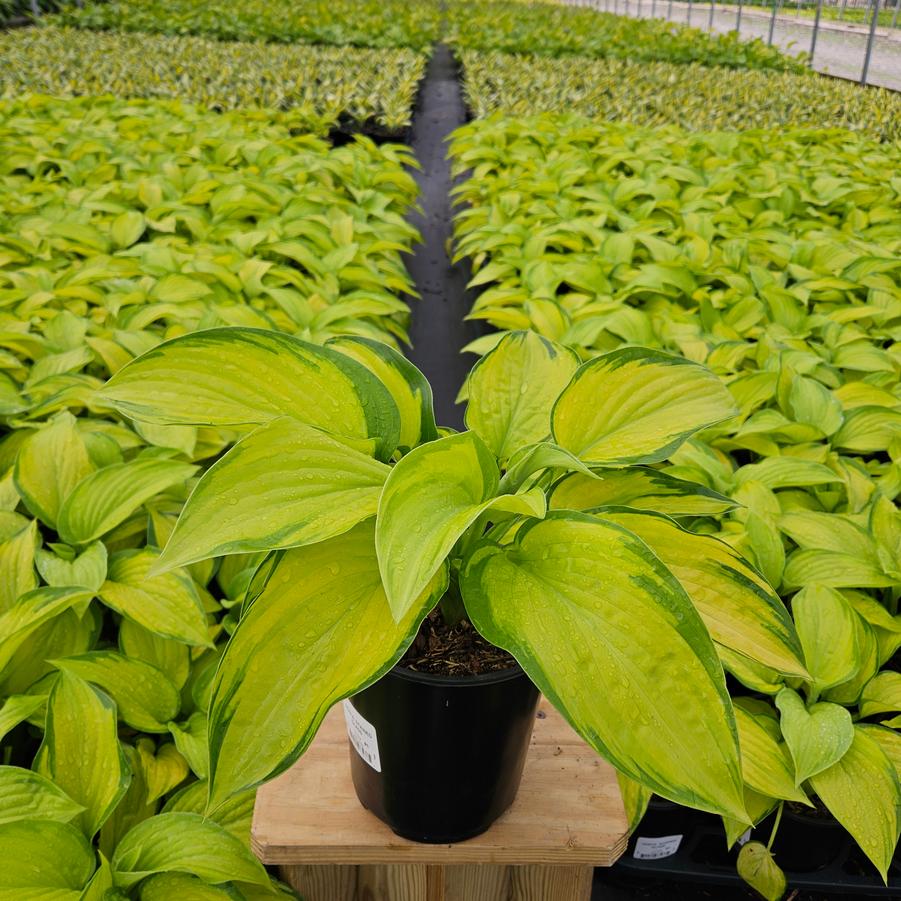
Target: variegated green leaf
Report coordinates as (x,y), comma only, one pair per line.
(26,795)
(283,485)
(17,556)
(108,496)
(636,405)
(512,390)
(241,376)
(81,751)
(184,843)
(862,792)
(16,709)
(757,866)
(538,598)
(86,570)
(827,627)
(145,699)
(316,598)
(43,861)
(737,605)
(635,799)
(166,604)
(817,737)
(31,611)
(166,886)
(408,386)
(882,694)
(430,499)
(766,765)
(235,815)
(640,487)
(49,466)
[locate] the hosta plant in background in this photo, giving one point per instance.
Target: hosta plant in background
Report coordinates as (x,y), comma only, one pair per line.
(325,86)
(374,516)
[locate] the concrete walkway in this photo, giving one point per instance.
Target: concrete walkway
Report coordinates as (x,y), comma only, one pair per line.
(840,48)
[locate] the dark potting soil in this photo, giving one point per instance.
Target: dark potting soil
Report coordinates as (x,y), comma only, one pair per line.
(453,651)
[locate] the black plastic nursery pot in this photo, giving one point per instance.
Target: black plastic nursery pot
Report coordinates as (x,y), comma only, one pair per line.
(806,840)
(440,758)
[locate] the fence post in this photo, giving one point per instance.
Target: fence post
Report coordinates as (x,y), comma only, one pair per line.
(776,5)
(738,18)
(816,29)
(870,39)
(35,9)
(710,17)
(653,9)
(690,8)
(639,9)
(841,12)
(895,14)
(669,11)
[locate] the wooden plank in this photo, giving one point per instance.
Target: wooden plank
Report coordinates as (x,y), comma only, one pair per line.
(568,810)
(544,883)
(318,883)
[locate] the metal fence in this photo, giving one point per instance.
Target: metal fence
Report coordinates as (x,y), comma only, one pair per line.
(853,39)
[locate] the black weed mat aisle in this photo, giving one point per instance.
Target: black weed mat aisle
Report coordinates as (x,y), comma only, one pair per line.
(438,329)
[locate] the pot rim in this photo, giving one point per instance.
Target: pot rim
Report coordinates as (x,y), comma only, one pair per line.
(504,675)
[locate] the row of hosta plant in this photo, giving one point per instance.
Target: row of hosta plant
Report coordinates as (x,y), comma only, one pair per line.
(124,224)
(692,96)
(362,23)
(327,85)
(142,219)
(774,259)
(548,30)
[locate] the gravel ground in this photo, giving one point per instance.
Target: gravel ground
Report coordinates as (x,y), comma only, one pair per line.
(839,51)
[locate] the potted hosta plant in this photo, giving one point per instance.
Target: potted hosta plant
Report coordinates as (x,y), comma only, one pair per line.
(544,526)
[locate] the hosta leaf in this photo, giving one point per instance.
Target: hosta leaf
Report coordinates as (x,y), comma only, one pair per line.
(882,694)
(235,815)
(862,792)
(635,799)
(536,458)
(570,638)
(816,738)
(759,869)
(166,654)
(43,861)
(245,376)
(26,795)
(166,886)
(166,604)
(512,390)
(431,497)
(191,741)
(49,466)
(316,598)
(284,485)
(81,751)
(738,607)
(827,627)
(786,472)
(145,699)
(184,843)
(834,570)
(765,764)
(408,386)
(105,498)
(162,770)
(636,405)
(87,570)
(639,487)
(17,556)
(31,611)
(16,709)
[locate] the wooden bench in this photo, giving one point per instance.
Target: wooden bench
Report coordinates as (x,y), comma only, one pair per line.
(567,819)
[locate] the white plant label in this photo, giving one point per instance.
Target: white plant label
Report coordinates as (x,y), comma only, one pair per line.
(744,838)
(362,736)
(656,848)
